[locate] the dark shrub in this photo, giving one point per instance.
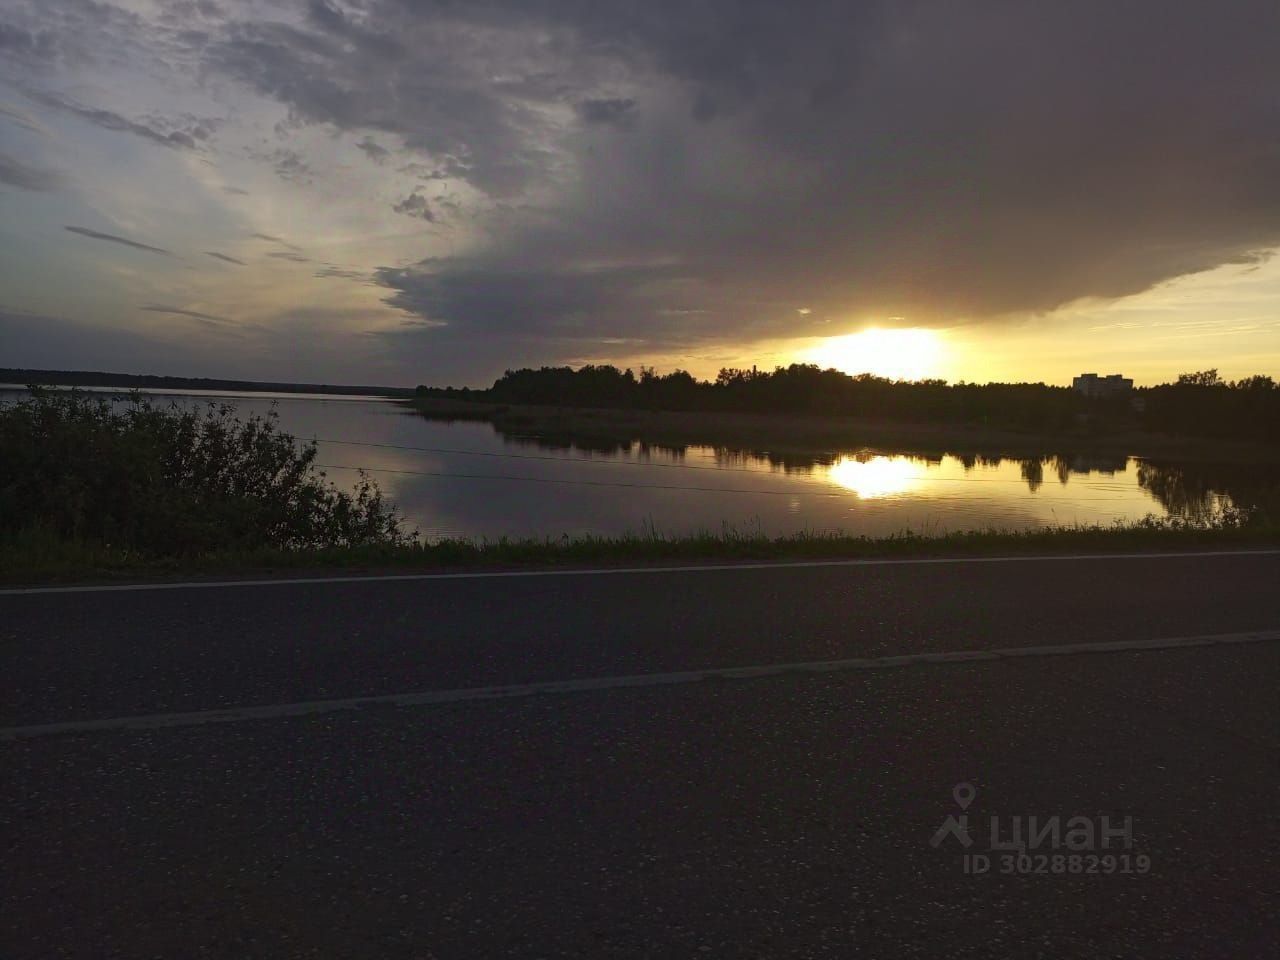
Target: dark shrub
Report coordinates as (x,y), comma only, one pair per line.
(173,480)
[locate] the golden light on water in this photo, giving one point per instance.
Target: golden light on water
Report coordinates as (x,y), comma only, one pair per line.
(875,477)
(908,354)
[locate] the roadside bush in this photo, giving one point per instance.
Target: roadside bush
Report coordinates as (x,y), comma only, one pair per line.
(173,480)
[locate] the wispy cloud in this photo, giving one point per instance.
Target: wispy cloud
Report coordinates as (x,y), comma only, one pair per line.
(416,205)
(179,134)
(288,164)
(373,150)
(294,257)
(342,273)
(18,174)
(424,172)
(183,312)
(111,237)
(21,119)
(223,256)
(270,239)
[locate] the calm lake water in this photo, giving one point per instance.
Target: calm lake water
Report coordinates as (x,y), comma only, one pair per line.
(466,479)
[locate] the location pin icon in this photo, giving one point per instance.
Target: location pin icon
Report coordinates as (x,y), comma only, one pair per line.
(963,793)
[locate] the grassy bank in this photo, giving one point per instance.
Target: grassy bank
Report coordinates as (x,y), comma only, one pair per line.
(800,434)
(39,558)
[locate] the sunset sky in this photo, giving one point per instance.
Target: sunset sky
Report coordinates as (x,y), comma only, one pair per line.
(405,191)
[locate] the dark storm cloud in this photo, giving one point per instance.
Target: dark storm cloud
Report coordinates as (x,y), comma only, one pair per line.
(613,111)
(479,295)
(335,22)
(924,159)
(112,238)
(436,93)
(18,174)
(915,158)
(227,259)
(37,45)
(46,35)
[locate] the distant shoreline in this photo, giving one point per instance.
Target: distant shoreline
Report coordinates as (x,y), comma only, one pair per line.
(131,381)
(801,434)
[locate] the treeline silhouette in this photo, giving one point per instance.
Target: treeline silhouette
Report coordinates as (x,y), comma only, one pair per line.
(1203,404)
(1197,404)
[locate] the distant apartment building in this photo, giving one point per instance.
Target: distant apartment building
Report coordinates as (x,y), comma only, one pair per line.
(1092,385)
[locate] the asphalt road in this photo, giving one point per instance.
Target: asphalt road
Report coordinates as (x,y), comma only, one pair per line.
(789,814)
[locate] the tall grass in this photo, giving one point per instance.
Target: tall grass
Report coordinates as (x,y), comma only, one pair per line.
(34,557)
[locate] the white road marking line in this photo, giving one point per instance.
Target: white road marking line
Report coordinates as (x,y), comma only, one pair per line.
(510,691)
(618,571)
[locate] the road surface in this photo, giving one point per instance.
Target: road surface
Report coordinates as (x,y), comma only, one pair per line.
(718,762)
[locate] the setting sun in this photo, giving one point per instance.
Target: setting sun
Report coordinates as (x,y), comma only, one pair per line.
(909,354)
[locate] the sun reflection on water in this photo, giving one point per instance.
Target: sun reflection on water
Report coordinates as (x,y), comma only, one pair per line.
(876,476)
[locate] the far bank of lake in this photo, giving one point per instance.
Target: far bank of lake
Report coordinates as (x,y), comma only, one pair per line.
(800,435)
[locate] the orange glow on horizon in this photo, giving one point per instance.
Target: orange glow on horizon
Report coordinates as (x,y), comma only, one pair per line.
(913,353)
